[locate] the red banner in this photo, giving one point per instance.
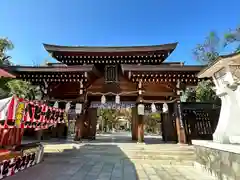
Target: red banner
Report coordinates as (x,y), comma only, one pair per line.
(29,114)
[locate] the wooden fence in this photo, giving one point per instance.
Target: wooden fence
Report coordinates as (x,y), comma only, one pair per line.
(200,120)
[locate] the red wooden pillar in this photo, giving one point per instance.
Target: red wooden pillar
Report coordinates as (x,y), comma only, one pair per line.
(140,128)
(79,127)
(92,123)
(179,124)
(85,128)
(134,124)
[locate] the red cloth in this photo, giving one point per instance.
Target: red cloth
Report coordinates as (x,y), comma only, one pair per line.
(11,136)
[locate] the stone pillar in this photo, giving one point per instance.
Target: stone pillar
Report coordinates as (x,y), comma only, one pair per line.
(140,128)
(134,123)
(179,124)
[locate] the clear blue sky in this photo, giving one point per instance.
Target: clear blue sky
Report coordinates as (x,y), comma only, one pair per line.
(29,23)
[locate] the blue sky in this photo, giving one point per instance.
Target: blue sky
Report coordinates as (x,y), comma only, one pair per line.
(29,23)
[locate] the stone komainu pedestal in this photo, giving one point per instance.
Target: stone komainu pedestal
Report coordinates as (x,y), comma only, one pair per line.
(226,76)
(227,130)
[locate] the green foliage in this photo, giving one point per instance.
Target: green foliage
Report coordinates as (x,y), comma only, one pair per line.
(209,50)
(189,95)
(111,116)
(155,116)
(233,37)
(24,89)
(5,45)
(206,53)
(204,92)
(4,90)
(18,87)
(151,122)
(108,114)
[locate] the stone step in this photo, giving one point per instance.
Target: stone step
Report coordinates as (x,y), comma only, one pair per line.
(129,153)
(172,153)
(174,158)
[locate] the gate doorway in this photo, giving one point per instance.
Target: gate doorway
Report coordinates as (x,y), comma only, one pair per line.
(114,121)
(109,121)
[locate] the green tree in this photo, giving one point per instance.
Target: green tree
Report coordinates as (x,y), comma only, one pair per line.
(24,89)
(189,95)
(209,50)
(205,93)
(233,37)
(5,45)
(125,112)
(4,90)
(109,116)
(206,53)
(156,116)
(18,87)
(151,122)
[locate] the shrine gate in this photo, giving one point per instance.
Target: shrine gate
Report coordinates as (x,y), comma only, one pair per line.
(136,74)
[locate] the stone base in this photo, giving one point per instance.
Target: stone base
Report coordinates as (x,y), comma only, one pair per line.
(220,160)
(234,139)
(142,143)
(202,168)
(182,144)
(223,139)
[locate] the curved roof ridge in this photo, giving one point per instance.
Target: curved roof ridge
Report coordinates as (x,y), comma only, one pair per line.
(51,48)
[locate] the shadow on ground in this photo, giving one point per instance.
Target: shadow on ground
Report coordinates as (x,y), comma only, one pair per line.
(89,162)
(113,157)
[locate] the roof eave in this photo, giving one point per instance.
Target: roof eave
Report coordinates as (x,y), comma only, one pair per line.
(158,68)
(57,48)
(4,73)
(83,68)
(218,64)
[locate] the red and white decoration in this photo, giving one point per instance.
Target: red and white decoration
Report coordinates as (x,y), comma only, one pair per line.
(16,114)
(19,113)
(21,161)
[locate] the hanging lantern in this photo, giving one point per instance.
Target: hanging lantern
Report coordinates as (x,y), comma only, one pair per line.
(103,99)
(153,108)
(55,104)
(67,107)
(140,109)
(165,107)
(117,99)
(78,108)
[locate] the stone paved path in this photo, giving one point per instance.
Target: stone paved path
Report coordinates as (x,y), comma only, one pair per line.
(107,161)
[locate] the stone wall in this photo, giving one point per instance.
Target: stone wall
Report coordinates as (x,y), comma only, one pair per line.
(222,164)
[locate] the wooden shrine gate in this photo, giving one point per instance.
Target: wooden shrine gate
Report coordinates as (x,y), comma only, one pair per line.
(131,73)
(200,120)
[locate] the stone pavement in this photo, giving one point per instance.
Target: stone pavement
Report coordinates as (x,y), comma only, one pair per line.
(99,161)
